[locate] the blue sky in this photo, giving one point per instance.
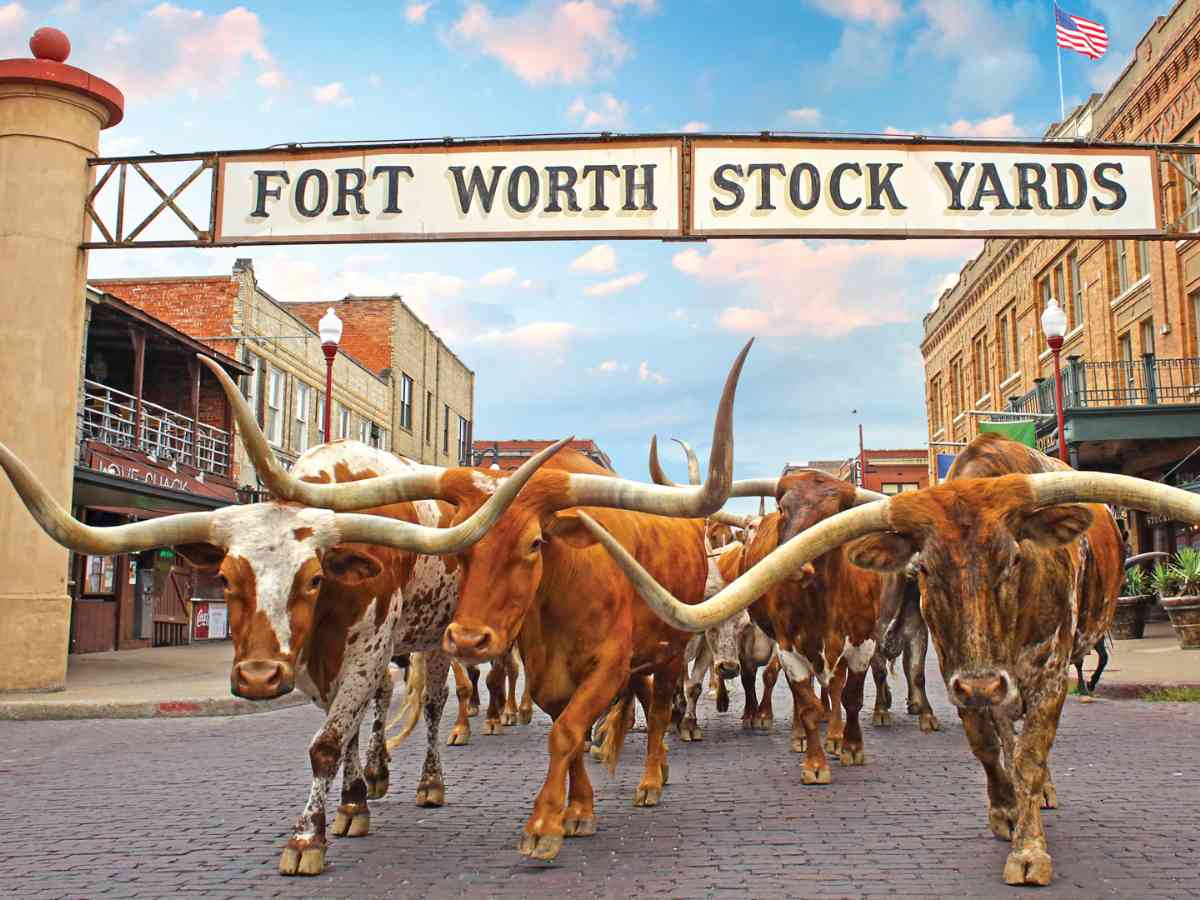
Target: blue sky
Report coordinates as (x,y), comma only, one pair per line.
(612,341)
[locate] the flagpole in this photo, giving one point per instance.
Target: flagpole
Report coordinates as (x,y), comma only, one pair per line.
(1062,105)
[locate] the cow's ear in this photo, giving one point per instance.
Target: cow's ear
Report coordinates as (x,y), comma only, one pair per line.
(566,526)
(1054,525)
(204,558)
(350,566)
(887,551)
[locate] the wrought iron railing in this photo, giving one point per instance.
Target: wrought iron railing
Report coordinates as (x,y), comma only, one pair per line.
(1148,381)
(110,416)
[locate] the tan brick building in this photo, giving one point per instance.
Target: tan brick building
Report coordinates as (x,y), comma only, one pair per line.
(1131,355)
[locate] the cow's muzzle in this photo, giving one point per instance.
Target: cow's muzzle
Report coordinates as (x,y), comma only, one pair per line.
(980,691)
(470,645)
(728,668)
(261,679)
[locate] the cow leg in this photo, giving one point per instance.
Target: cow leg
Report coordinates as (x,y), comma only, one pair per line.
(376,773)
(431,789)
(509,714)
(689,728)
(836,731)
(798,671)
(853,752)
(1029,863)
(1082,686)
(658,716)
(883,693)
(915,650)
(460,734)
(764,719)
(580,817)
(984,738)
(525,707)
(496,695)
(722,696)
(1102,653)
(799,740)
(473,704)
(353,818)
(749,676)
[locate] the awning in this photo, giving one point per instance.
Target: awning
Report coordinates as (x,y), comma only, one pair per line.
(100,489)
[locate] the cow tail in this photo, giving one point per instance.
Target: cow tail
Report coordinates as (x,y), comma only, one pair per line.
(410,709)
(615,727)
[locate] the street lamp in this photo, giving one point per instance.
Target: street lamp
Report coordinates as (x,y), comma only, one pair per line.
(1054,326)
(330,330)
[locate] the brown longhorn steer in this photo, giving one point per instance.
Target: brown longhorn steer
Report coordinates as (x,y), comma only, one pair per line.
(1015,573)
(902,632)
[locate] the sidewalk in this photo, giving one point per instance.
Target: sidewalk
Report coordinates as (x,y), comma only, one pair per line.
(133,684)
(1155,660)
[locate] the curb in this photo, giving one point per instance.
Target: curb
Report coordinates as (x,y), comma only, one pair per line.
(42,710)
(1135,689)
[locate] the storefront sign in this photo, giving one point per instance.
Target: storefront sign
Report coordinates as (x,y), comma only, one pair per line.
(160,476)
(681,187)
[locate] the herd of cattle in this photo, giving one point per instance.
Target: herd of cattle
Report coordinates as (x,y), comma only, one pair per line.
(1012,564)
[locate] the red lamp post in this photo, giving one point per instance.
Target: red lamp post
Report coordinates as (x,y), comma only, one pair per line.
(330,330)
(1054,326)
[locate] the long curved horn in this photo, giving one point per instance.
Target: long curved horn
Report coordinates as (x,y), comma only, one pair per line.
(693,463)
(758,579)
(1050,488)
(61,526)
(689,502)
(722,517)
(1143,557)
(769,487)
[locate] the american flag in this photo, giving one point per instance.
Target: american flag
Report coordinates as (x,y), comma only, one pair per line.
(1080,34)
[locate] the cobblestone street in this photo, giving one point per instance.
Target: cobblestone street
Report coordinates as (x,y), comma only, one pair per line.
(201,807)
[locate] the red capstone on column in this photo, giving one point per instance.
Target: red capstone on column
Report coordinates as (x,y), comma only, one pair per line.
(50,48)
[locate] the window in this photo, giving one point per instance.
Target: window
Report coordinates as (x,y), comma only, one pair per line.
(321,419)
(1147,335)
(1076,309)
(982,379)
(343,422)
(1143,259)
(274,425)
(99,574)
(1122,266)
(1196,318)
(364,431)
(300,417)
(1002,346)
(252,387)
(1191,194)
(1044,293)
(935,404)
(378,437)
(1060,291)
(429,417)
(956,387)
(893,488)
(446,428)
(406,398)
(1016,358)
(464,442)
(1125,352)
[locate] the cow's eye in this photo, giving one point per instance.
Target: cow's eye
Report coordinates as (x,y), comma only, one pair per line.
(535,545)
(314,583)
(223,581)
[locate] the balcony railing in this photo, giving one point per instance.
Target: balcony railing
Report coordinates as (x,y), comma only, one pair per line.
(1149,381)
(109,415)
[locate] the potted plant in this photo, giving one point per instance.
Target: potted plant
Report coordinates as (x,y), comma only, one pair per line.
(1183,606)
(1129,621)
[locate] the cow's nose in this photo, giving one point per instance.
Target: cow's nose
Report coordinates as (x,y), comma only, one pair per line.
(979,690)
(469,643)
(262,679)
(727,669)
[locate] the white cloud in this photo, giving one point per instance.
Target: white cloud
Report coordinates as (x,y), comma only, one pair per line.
(544,341)
(1003,126)
(947,282)
(272,80)
(416,12)
(805,115)
(600,259)
(645,373)
(499,277)
(615,285)
(693,127)
(334,92)
(121,144)
(12,18)
(645,6)
(862,57)
(608,367)
(607,113)
(67,8)
(877,12)
(543,44)
(527,284)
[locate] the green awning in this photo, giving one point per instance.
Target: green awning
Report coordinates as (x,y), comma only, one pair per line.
(1022,432)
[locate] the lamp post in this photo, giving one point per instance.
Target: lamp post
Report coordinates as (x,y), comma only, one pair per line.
(1054,326)
(330,330)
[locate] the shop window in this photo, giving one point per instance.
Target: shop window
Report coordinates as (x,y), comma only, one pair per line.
(99,574)
(893,488)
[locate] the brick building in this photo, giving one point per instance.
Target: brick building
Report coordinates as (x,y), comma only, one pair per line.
(1131,355)
(509,455)
(882,471)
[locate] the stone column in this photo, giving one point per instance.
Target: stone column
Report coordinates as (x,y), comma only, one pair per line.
(50,120)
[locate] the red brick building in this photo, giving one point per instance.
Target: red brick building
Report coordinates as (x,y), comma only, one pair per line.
(886,471)
(509,455)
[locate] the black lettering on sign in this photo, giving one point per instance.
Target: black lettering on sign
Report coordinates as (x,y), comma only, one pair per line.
(562,181)
(814,186)
(646,187)
(835,185)
(598,173)
(393,174)
(989,186)
(955,184)
(764,171)
(1117,189)
(1066,198)
(721,178)
(485,190)
(514,192)
(880,186)
(302,207)
(346,190)
(262,192)
(1031,179)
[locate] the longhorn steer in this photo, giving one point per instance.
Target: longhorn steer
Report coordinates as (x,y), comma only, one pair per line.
(1015,576)
(902,633)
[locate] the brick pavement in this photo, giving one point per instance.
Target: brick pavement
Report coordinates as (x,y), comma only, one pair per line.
(152,808)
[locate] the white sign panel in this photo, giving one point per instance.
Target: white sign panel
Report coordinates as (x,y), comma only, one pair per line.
(769,188)
(568,190)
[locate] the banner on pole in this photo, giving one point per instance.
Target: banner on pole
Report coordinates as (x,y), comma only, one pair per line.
(1023,432)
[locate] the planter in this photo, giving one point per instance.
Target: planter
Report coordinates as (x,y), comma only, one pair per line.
(1129,621)
(1184,613)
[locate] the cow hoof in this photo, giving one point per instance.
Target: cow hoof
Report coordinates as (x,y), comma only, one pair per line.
(431,795)
(816,776)
(1028,867)
(833,745)
(302,861)
(540,846)
(1001,824)
(524,716)
(491,726)
(914,709)
(689,730)
(853,757)
(472,710)
(584,826)
(647,796)
(508,718)
(460,736)
(930,722)
(764,723)
(882,718)
(799,744)
(748,724)
(351,820)
(1049,797)
(597,751)
(712,694)
(377,784)
(665,771)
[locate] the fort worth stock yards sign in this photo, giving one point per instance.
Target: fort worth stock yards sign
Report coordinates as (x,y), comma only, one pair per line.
(679,187)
